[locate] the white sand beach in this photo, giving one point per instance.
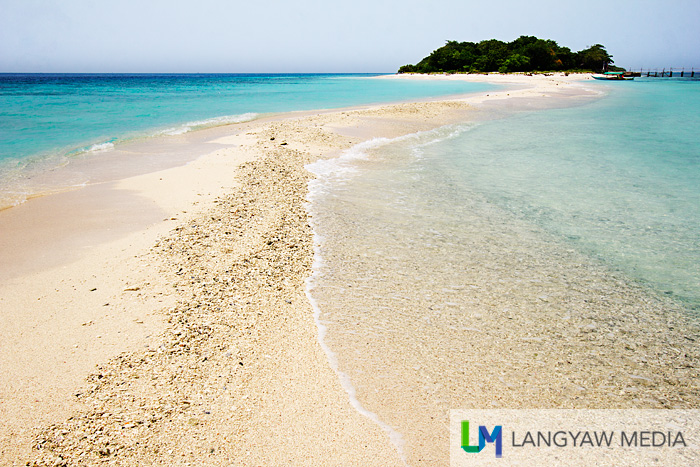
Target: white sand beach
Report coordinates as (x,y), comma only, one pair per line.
(162,318)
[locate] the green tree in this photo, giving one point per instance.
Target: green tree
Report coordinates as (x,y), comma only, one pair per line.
(567,58)
(594,58)
(526,53)
(492,54)
(515,62)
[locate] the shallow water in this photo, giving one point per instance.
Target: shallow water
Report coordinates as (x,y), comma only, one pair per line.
(618,179)
(49,120)
(545,259)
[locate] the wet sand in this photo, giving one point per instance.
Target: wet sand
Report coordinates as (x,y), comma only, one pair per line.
(193,305)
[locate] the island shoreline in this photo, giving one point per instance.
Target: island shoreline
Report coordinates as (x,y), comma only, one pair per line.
(143,301)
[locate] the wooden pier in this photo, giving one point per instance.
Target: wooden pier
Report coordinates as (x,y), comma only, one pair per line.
(664,73)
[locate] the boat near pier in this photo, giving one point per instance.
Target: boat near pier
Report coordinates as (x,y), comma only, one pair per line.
(613,76)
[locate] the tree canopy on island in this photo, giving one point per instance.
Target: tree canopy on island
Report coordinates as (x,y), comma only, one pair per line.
(524,54)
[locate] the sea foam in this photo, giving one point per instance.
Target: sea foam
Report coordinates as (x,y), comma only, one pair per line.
(210,122)
(107,145)
(330,173)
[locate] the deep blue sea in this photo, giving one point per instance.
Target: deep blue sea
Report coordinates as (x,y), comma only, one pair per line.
(46,119)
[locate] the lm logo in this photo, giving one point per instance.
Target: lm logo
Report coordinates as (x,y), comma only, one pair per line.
(484,437)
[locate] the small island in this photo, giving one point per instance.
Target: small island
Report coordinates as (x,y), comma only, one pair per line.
(524,54)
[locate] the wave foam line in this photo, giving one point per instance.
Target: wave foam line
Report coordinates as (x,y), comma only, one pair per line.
(394,436)
(97,147)
(217,121)
(330,172)
(101,147)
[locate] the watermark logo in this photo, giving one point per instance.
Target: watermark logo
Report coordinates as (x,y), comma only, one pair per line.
(496,436)
(576,438)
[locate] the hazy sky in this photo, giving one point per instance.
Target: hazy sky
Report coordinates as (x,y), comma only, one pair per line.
(325,35)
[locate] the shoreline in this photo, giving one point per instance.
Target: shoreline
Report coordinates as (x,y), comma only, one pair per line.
(50,171)
(138,289)
(98,162)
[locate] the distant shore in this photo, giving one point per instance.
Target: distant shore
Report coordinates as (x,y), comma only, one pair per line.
(186,286)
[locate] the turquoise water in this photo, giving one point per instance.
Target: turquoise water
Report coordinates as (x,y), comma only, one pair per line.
(42,113)
(618,179)
(536,260)
(46,119)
